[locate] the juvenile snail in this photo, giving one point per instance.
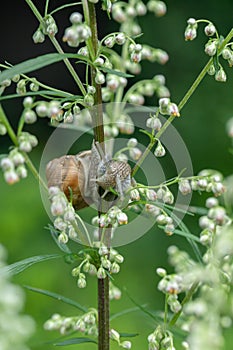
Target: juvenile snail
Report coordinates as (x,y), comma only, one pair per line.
(82,176)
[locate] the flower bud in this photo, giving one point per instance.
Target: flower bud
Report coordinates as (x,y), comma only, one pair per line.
(7,164)
(220,75)
(159,150)
(76,18)
(115,268)
(88,100)
(158,7)
(184,187)
(63,238)
(126,344)
(190,33)
(3,129)
(120,38)
(21,171)
(109,41)
(25,146)
(211,202)
(30,116)
(11,177)
(210,29)
(135,153)
(211,47)
(38,37)
(141,8)
(154,123)
(99,78)
(161,272)
(101,273)
(81,283)
(122,218)
(132,142)
(114,335)
(27,102)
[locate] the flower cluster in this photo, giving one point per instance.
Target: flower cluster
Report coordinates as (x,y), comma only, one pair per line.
(48,27)
(13,166)
(15,328)
(66,220)
(114,335)
(99,262)
(207,180)
(86,323)
(216,217)
(160,339)
(166,107)
(212,47)
(78,32)
(113,217)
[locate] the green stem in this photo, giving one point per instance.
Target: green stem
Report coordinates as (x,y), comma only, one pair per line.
(188,296)
(58,48)
(182,103)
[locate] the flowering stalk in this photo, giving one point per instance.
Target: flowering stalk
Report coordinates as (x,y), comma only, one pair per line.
(98,128)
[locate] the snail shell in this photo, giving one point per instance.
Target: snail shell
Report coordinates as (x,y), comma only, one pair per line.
(70,174)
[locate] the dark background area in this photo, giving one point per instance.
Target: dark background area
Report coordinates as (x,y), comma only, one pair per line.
(202,127)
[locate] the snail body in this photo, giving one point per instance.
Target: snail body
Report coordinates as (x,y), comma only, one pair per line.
(81,176)
(69,173)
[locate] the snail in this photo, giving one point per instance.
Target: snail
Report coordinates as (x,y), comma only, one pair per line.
(89,176)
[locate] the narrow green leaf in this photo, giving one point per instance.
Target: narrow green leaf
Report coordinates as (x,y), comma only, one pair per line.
(22,265)
(75,341)
(128,335)
(35,64)
(116,72)
(184,234)
(58,297)
(124,312)
(42,92)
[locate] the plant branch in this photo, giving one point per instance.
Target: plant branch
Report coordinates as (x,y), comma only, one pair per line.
(58,48)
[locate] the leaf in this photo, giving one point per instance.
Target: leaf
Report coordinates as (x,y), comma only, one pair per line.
(22,265)
(42,92)
(73,341)
(124,312)
(35,64)
(116,72)
(58,297)
(128,335)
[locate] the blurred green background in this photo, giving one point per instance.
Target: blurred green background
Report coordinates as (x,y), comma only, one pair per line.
(202,127)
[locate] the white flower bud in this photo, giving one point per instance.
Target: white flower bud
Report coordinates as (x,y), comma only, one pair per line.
(211,47)
(154,123)
(30,116)
(122,218)
(38,37)
(109,42)
(159,150)
(25,146)
(185,187)
(115,268)
(11,177)
(81,283)
(3,129)
(161,272)
(126,344)
(210,29)
(120,38)
(27,102)
(7,164)
(211,202)
(114,335)
(101,273)
(132,142)
(76,18)
(22,171)
(99,78)
(57,208)
(220,75)
(63,238)
(119,258)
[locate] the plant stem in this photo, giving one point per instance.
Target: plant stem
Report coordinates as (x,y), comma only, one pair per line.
(98,128)
(58,47)
(182,103)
